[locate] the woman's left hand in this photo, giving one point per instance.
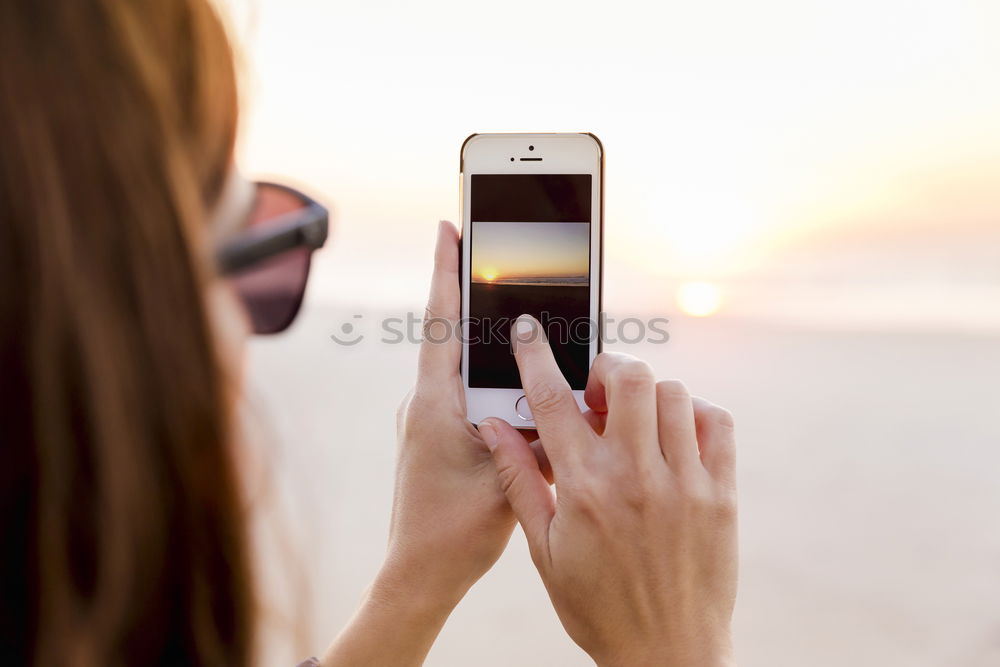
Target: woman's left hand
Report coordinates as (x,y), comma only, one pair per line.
(450,519)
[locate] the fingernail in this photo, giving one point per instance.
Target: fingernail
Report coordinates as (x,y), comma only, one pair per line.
(525,327)
(489,433)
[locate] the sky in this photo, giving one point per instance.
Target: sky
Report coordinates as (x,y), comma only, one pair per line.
(506,251)
(828,162)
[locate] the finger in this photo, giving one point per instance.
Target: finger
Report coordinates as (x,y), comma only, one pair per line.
(716,440)
(557,416)
(675,417)
(440,349)
(625,388)
(543,459)
(404,405)
(522,482)
(531,435)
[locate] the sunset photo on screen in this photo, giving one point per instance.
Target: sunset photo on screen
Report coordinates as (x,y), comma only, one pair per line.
(538,268)
(531,253)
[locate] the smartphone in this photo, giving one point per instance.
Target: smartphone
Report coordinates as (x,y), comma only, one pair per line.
(532,230)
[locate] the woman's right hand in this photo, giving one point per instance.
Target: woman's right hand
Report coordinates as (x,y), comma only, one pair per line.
(638,549)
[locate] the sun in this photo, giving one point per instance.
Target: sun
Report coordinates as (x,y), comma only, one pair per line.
(699,299)
(490,275)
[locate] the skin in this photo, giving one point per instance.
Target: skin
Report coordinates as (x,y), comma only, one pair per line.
(450,518)
(638,552)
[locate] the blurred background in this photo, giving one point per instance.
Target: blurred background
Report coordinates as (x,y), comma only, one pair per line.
(809,191)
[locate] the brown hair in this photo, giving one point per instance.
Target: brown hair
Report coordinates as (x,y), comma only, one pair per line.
(121,517)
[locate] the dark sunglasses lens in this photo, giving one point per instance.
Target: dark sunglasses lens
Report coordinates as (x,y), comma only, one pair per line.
(272,291)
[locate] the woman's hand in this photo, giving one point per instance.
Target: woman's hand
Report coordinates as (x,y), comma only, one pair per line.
(450,519)
(638,549)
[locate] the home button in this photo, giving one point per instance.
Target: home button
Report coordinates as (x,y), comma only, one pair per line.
(522,409)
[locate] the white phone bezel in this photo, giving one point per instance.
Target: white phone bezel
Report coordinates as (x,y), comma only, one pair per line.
(561,153)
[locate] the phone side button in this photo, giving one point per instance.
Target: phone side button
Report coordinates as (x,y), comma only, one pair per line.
(522,409)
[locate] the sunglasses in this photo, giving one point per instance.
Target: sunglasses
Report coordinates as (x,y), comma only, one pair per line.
(268,263)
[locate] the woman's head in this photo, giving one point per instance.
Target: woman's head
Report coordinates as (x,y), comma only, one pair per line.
(122,520)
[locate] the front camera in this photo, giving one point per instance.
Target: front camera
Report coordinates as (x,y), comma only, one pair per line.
(531,148)
(512,159)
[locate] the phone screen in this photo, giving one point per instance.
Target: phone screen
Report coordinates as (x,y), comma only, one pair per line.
(530,247)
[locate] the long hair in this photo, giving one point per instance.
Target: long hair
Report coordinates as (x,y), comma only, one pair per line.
(122,529)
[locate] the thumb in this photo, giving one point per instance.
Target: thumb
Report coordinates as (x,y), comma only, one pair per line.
(522,482)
